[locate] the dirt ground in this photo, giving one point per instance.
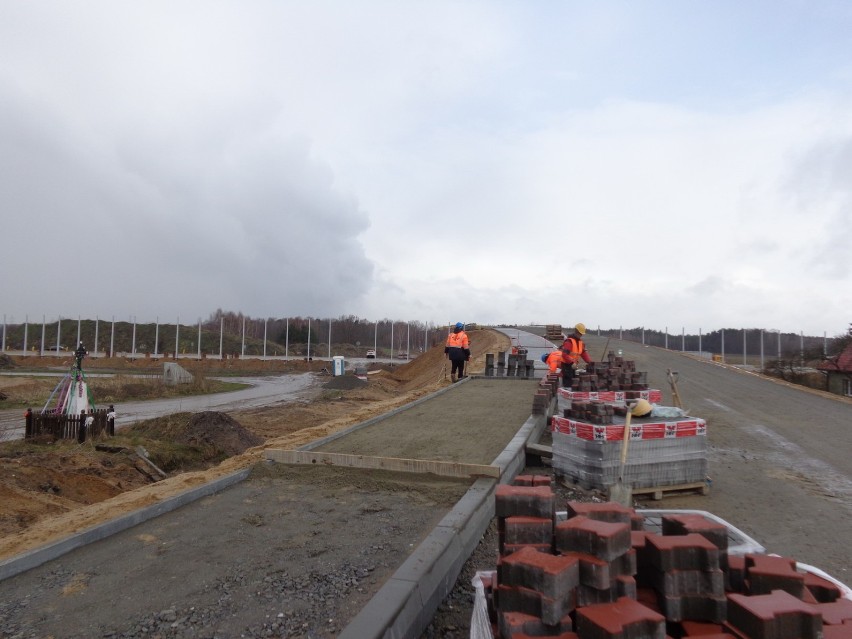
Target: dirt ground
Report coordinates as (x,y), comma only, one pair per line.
(779,462)
(50,491)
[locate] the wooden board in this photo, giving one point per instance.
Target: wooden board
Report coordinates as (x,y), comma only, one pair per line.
(539,449)
(658,492)
(441,468)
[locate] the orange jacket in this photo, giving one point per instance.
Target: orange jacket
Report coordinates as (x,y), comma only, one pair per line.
(458,340)
(554,361)
(458,346)
(573,349)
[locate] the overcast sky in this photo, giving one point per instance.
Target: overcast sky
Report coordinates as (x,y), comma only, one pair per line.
(658,164)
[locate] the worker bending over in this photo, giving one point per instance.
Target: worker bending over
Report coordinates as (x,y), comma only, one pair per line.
(573,349)
(458,350)
(553,359)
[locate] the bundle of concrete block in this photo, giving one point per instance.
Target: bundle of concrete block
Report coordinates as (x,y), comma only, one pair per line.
(596,574)
(613,374)
(660,453)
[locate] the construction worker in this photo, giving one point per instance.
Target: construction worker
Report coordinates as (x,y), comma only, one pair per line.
(553,359)
(573,349)
(457,350)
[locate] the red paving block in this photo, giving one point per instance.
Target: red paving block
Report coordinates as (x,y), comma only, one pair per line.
(518,599)
(837,632)
(679,552)
(736,573)
(699,628)
(525,530)
(778,615)
(648,598)
(683,524)
(516,625)
(681,583)
(554,576)
(765,573)
(625,618)
(509,549)
(598,573)
(524,501)
(610,511)
(602,539)
(836,612)
(823,590)
(697,607)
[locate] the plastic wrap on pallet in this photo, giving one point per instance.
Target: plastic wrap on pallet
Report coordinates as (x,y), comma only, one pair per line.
(689,427)
(595,464)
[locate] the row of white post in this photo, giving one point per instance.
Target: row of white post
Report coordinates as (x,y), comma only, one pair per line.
(133,353)
(745,357)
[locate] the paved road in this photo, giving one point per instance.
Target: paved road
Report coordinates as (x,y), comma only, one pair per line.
(263,391)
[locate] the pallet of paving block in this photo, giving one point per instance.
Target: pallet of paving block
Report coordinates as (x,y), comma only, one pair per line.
(440,468)
(658,492)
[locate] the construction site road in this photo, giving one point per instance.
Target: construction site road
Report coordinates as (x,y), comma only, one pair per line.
(298,553)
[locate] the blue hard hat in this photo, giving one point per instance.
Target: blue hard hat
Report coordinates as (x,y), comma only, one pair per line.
(544,357)
(459,325)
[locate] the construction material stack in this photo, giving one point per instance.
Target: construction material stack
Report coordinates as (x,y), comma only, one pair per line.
(597,571)
(666,454)
(553,333)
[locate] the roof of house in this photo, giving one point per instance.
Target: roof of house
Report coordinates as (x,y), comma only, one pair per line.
(840,364)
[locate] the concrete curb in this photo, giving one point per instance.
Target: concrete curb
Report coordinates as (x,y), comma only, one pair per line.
(406,603)
(21,563)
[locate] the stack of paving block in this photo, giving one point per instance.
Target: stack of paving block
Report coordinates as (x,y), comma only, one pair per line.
(614,374)
(601,576)
(593,411)
(660,453)
(545,393)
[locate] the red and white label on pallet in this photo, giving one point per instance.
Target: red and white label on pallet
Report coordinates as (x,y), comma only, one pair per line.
(653,396)
(691,427)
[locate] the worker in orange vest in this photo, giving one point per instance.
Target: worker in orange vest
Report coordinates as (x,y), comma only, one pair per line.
(573,349)
(457,350)
(553,359)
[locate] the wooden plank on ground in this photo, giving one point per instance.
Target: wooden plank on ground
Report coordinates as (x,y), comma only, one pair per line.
(441,468)
(539,449)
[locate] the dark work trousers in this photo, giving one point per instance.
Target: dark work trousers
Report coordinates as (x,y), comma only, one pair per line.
(567,375)
(458,365)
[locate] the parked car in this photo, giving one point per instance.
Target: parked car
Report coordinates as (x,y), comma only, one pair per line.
(371,354)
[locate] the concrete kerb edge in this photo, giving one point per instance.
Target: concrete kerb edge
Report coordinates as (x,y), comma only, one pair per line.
(408,600)
(33,558)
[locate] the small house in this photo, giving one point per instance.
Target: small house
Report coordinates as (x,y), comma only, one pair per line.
(838,372)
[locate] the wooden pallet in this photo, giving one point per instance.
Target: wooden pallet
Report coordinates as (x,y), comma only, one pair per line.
(659,492)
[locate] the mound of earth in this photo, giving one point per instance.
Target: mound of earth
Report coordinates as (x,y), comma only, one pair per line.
(207,430)
(345,382)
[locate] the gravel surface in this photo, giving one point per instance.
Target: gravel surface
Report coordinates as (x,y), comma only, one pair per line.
(290,552)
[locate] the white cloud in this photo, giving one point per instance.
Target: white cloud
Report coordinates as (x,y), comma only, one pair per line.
(494,163)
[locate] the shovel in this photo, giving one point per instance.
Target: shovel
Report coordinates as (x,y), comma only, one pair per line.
(620,492)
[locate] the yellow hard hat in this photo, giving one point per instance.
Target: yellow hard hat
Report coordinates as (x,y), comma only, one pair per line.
(580,328)
(641,408)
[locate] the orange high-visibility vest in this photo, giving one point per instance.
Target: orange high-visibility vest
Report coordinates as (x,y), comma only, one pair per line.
(458,340)
(572,350)
(554,361)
